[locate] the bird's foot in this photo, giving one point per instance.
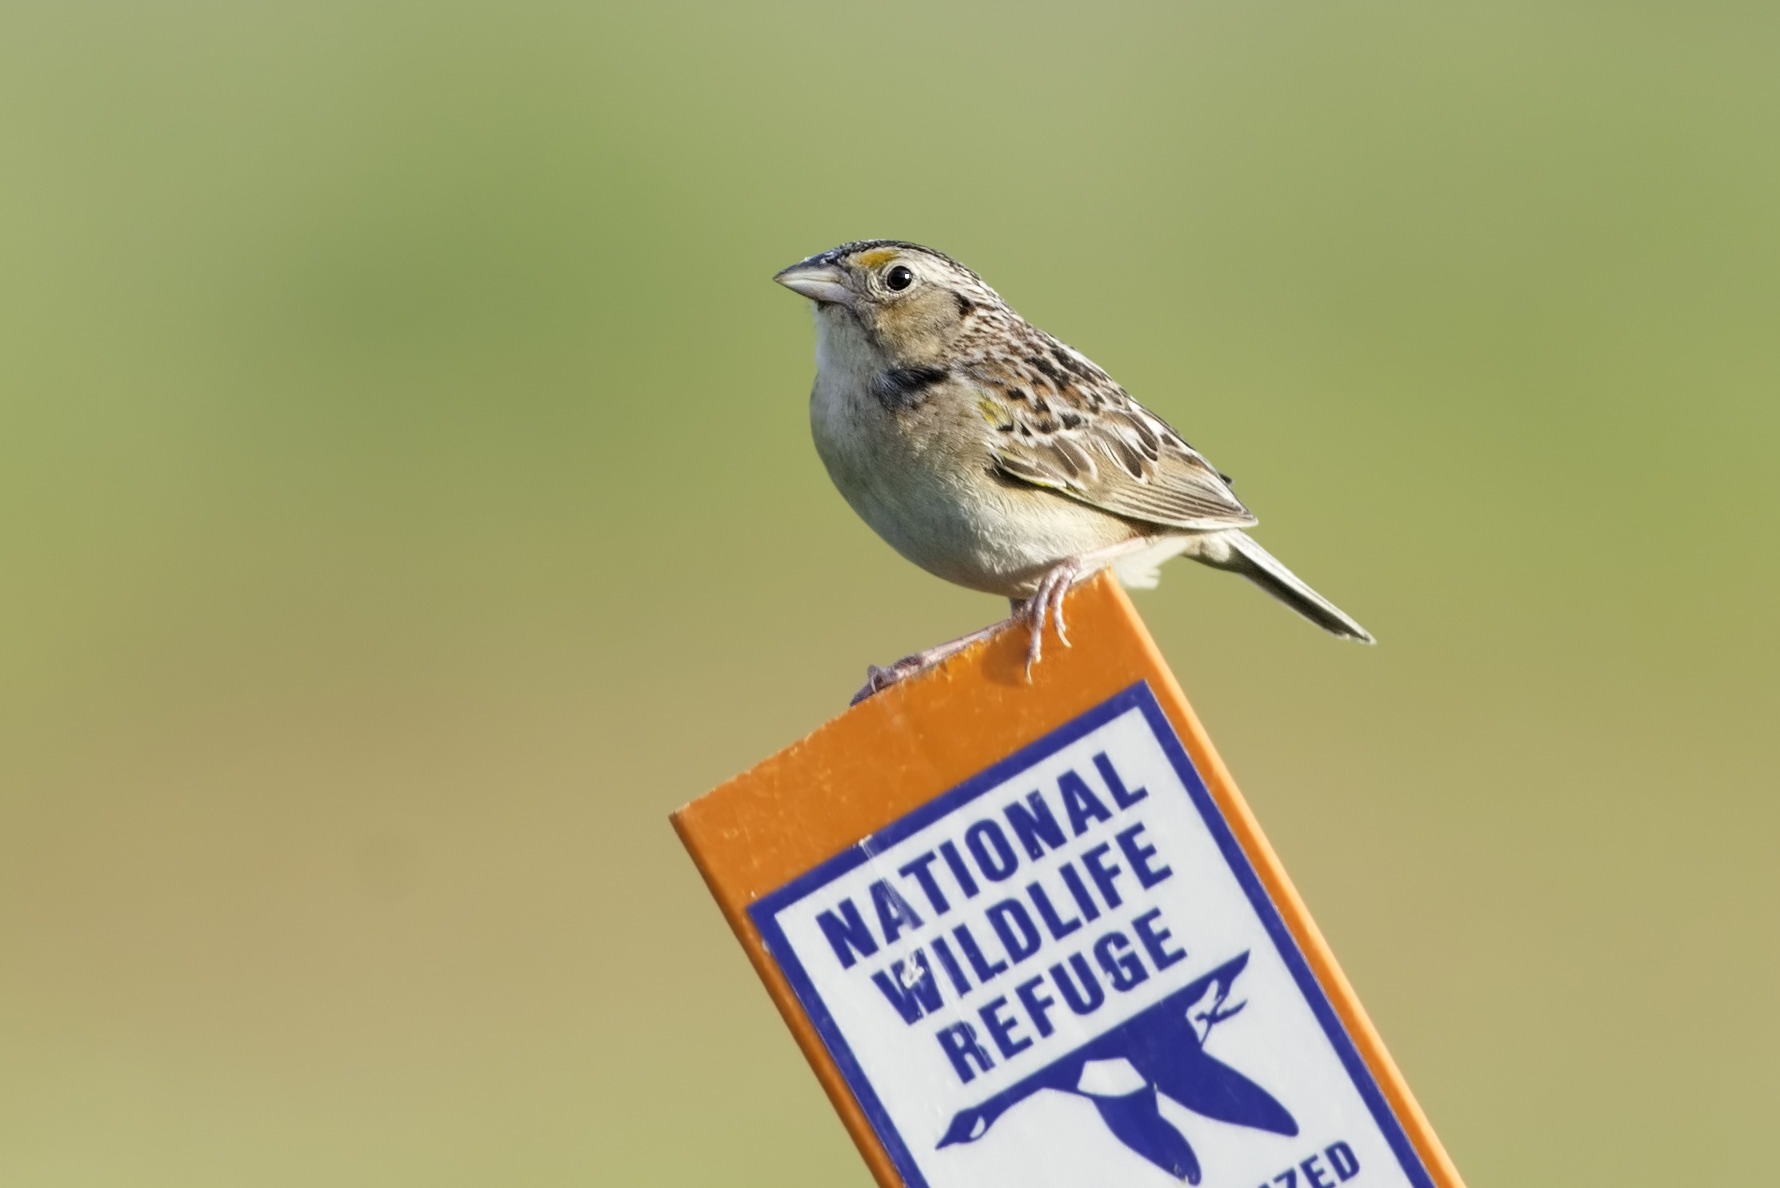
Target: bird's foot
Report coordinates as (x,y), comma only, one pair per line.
(1046,602)
(878,679)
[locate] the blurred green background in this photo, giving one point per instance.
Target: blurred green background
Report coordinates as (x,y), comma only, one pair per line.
(406,499)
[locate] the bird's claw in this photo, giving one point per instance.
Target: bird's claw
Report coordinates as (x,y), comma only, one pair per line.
(876,681)
(1046,602)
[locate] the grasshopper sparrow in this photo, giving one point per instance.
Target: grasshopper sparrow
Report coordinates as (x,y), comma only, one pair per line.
(991,455)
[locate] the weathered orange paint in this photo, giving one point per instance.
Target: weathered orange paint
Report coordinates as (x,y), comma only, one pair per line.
(887,756)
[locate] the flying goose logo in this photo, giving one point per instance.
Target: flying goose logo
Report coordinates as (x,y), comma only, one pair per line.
(1161,1051)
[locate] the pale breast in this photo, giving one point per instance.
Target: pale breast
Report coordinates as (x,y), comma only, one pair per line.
(924,479)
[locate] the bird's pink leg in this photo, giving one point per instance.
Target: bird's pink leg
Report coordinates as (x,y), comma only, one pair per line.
(878,679)
(1044,602)
(1047,599)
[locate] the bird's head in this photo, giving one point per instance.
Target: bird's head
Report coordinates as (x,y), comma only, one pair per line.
(911,302)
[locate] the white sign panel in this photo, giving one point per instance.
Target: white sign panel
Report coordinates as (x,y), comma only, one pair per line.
(1065,973)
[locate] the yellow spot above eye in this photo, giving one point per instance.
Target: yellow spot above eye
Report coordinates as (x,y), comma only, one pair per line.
(877,256)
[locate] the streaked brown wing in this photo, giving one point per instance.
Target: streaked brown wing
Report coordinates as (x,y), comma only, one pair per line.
(1086,438)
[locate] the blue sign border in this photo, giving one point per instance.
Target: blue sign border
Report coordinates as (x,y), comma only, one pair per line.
(765,910)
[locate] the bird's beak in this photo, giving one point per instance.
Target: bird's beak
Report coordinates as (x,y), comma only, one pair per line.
(824,284)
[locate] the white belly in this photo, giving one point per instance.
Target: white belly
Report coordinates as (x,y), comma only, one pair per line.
(922,480)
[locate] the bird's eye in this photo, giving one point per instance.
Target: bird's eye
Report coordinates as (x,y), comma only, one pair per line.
(899,278)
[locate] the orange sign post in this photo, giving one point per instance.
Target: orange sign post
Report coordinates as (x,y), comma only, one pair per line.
(1030,933)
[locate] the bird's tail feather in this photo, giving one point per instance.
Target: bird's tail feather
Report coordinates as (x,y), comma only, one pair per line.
(1259,566)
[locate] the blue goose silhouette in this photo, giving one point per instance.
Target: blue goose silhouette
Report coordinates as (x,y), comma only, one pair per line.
(1167,1050)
